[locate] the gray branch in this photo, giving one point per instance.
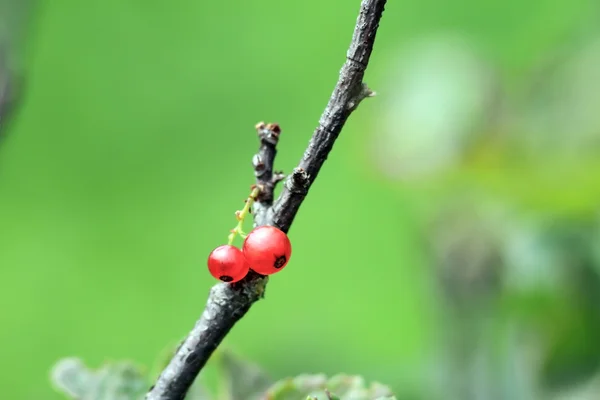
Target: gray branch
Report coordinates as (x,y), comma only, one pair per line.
(228,303)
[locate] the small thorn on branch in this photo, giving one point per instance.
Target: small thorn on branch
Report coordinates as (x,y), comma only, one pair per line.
(362,93)
(278,176)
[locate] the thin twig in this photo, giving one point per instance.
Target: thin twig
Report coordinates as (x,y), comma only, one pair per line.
(228,303)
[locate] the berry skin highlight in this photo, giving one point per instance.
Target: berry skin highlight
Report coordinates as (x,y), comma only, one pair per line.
(267,249)
(227,263)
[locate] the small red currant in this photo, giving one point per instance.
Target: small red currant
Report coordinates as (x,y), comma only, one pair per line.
(227,263)
(267,249)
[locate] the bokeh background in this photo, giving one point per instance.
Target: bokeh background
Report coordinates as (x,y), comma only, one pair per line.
(450,247)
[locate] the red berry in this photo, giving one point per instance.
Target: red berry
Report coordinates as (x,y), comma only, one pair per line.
(267,249)
(227,263)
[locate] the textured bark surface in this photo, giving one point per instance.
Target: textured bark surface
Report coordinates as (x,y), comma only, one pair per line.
(228,303)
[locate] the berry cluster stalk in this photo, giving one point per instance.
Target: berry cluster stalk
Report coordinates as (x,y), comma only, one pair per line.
(241,216)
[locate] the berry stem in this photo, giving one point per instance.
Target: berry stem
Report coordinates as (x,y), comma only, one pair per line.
(241,215)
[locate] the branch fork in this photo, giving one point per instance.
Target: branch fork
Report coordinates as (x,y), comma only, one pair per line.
(229,302)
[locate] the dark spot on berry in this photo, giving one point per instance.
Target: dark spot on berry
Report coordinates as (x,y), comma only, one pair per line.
(280,262)
(226,278)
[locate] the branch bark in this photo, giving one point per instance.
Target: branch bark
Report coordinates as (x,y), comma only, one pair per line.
(228,303)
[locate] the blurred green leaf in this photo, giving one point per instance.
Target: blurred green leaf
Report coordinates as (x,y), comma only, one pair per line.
(441,102)
(331,396)
(342,387)
(113,381)
(575,356)
(241,379)
(559,109)
(296,388)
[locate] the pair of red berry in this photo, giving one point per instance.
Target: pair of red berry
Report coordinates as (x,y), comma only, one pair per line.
(266,250)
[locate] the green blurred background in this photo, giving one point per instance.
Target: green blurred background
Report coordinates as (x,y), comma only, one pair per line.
(131,151)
